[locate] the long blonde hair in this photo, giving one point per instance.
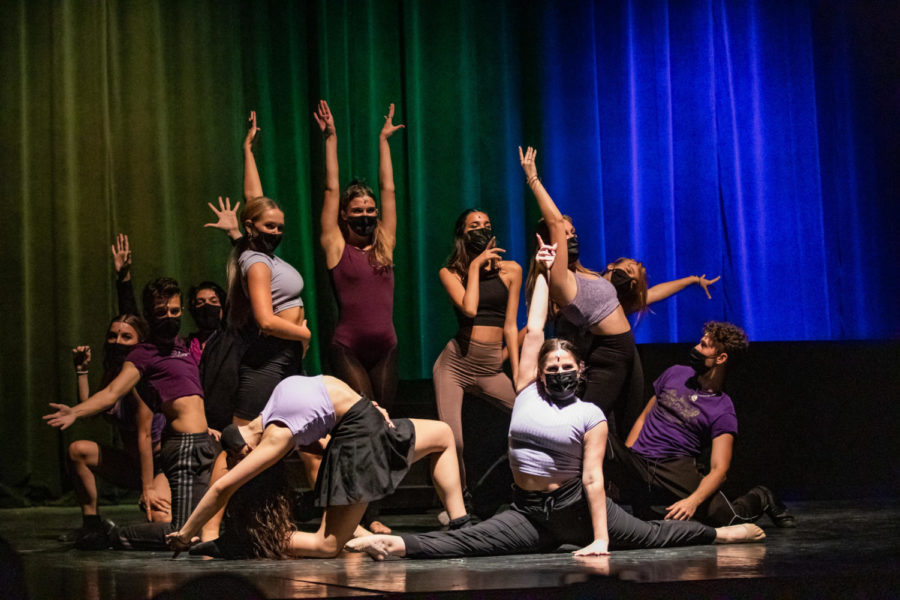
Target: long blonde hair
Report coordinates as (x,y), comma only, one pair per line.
(382,252)
(238,303)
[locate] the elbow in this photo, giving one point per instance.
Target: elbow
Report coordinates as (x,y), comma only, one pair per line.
(267,325)
(469,312)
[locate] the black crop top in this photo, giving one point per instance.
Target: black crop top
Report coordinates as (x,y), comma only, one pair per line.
(492,300)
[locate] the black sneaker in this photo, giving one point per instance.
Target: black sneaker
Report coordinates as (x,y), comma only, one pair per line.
(776,511)
(95,538)
(73,534)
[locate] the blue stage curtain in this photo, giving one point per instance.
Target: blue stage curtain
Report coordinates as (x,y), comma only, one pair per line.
(725,138)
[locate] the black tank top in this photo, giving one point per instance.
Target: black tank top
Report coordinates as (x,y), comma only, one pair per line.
(492,300)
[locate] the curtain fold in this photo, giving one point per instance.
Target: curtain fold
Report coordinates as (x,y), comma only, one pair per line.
(752,140)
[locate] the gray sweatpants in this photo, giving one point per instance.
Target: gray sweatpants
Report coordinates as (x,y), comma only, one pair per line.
(544,521)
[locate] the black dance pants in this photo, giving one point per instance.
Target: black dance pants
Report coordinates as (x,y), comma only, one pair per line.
(544,521)
(187,460)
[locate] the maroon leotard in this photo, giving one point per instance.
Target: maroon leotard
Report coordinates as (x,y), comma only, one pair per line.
(365,296)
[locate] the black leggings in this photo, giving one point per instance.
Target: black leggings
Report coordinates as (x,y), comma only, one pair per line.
(615,380)
(377,381)
(544,521)
(266,363)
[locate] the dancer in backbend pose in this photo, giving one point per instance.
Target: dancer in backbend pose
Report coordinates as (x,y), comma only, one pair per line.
(167,380)
(591,315)
(366,458)
(132,466)
(263,291)
(359,248)
(484,290)
(556,447)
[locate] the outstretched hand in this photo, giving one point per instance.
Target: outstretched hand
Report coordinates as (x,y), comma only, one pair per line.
(81,357)
(389,128)
(227,219)
(703,282)
(527,160)
(62,418)
(121,252)
(546,254)
(252,130)
(324,119)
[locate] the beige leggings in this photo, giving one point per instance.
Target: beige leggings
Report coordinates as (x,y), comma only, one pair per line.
(479,371)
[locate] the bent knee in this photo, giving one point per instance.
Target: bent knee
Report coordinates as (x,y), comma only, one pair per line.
(82,450)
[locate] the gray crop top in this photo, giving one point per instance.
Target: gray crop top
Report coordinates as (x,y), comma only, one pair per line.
(286,281)
(595,299)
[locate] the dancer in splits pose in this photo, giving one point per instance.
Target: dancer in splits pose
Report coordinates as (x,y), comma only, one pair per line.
(359,247)
(484,290)
(365,460)
(556,447)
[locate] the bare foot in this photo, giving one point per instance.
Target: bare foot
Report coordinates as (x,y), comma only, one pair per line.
(736,534)
(361,531)
(374,545)
(379,527)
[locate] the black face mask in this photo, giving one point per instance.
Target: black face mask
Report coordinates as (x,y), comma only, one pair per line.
(477,240)
(698,362)
(572,248)
(363,225)
(267,242)
(165,329)
(561,386)
(622,282)
(207,317)
(114,355)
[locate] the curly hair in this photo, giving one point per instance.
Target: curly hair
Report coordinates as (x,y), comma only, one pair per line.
(258,516)
(727,338)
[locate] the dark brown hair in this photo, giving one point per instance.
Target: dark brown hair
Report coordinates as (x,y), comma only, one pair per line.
(542,230)
(161,288)
(549,347)
(459,259)
(727,338)
(382,253)
(258,516)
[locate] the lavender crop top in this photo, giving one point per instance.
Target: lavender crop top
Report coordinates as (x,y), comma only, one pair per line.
(301,404)
(547,439)
(595,299)
(287,284)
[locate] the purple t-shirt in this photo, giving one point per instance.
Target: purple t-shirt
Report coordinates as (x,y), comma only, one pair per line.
(167,373)
(684,418)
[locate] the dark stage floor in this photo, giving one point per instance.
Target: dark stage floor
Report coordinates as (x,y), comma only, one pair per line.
(840,550)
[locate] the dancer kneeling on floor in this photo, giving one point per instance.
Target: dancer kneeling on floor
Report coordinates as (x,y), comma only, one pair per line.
(556,447)
(365,460)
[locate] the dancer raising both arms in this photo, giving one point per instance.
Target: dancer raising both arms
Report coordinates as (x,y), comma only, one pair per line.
(359,248)
(366,458)
(484,290)
(556,448)
(590,313)
(264,292)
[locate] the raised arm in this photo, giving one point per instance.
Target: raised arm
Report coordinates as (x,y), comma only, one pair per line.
(510,326)
(537,317)
(121,252)
(226,218)
(592,479)
(81,358)
(719,463)
(252,184)
(332,239)
(562,281)
(274,445)
(661,291)
(386,174)
(124,382)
